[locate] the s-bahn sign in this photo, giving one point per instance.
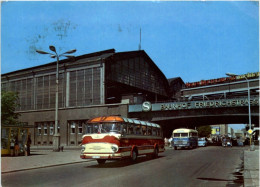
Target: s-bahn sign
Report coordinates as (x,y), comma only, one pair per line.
(236,102)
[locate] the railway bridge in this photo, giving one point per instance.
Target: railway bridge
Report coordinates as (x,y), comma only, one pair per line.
(224,103)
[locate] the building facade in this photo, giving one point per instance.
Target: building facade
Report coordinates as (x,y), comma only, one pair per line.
(96,84)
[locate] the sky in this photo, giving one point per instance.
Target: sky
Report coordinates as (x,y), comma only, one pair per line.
(237,126)
(196,41)
(192,40)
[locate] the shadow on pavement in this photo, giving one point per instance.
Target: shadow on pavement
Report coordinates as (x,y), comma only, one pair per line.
(239,181)
(122,163)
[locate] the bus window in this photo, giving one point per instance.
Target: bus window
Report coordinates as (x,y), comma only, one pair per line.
(110,127)
(158,131)
(184,135)
(130,129)
(176,134)
(123,127)
(89,129)
(95,128)
(149,129)
(154,131)
(138,129)
(106,127)
(144,129)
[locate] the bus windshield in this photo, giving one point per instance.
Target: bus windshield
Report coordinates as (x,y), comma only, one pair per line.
(180,135)
(103,128)
(111,127)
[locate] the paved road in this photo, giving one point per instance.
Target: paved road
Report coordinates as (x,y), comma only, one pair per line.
(209,166)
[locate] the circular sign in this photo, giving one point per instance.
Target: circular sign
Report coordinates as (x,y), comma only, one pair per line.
(146,106)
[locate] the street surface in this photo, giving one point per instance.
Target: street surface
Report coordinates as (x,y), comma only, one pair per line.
(205,166)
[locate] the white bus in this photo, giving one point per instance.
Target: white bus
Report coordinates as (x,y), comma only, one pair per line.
(186,138)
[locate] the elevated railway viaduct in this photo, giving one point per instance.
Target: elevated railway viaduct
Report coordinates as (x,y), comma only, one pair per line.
(224,103)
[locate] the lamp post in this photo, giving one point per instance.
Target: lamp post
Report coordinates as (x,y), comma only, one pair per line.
(56,136)
(249,108)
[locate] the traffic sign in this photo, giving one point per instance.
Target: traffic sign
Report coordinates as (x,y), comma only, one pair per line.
(250,131)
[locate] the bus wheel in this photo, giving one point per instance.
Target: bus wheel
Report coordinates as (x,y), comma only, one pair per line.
(155,153)
(134,156)
(101,161)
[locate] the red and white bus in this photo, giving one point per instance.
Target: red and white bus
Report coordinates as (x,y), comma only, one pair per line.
(115,137)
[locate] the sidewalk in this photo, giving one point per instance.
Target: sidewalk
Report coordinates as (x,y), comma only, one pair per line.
(40,159)
(251,168)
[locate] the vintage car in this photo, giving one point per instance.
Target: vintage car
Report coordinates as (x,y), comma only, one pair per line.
(202,142)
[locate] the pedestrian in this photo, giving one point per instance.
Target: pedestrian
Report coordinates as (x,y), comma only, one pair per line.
(12,146)
(170,142)
(28,145)
(165,141)
(16,146)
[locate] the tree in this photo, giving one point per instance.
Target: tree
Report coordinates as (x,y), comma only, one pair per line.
(9,101)
(204,131)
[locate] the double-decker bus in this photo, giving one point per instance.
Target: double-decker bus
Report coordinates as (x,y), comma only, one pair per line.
(186,138)
(115,137)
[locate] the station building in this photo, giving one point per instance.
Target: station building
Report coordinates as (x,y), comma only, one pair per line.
(97,84)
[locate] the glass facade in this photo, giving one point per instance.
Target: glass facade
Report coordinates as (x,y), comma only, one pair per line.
(82,88)
(136,72)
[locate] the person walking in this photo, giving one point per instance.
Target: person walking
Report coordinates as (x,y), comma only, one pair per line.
(16,147)
(12,146)
(28,145)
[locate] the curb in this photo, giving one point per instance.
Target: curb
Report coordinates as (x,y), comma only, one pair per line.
(39,167)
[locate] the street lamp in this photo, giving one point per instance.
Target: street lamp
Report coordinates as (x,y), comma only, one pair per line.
(56,136)
(249,110)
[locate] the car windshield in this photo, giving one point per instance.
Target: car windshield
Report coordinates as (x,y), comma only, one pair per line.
(103,128)
(201,139)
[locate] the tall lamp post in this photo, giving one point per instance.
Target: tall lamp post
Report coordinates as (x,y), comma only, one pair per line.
(249,108)
(56,136)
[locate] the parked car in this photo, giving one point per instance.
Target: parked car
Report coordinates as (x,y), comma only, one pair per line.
(202,142)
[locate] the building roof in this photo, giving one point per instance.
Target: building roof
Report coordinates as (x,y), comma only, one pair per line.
(129,54)
(175,79)
(96,55)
